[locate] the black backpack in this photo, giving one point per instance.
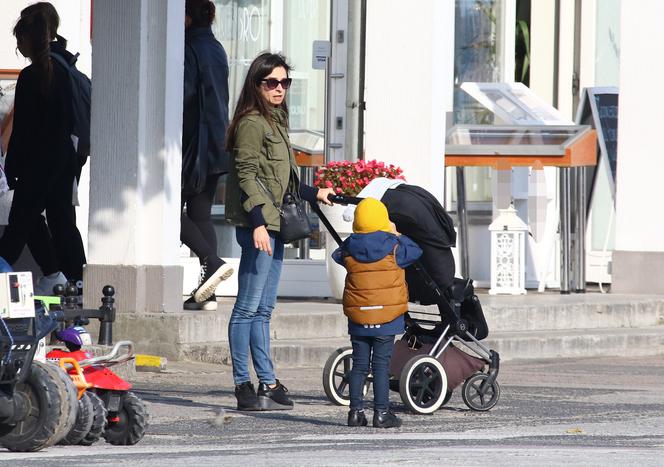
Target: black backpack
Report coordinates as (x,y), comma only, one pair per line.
(80,105)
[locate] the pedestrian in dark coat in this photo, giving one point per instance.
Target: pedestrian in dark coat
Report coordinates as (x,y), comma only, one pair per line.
(204,157)
(41,165)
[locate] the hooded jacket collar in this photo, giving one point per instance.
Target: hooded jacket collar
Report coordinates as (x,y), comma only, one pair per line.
(367,248)
(59,48)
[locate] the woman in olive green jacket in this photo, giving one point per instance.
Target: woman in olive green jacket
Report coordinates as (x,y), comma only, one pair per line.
(258,139)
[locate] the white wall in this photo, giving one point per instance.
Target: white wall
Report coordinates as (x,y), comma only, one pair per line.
(639,188)
(409,70)
(74,26)
(136,130)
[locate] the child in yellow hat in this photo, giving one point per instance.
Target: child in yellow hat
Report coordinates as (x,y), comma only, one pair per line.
(375,299)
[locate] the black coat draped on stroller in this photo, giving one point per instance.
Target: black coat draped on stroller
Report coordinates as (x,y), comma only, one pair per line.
(428,363)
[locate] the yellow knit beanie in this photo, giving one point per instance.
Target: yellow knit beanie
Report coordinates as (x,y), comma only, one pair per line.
(371,216)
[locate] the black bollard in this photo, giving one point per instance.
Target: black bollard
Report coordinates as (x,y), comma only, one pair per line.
(107,316)
(58,291)
(71,291)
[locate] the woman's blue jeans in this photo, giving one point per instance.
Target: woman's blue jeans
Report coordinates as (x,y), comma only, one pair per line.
(376,350)
(249,326)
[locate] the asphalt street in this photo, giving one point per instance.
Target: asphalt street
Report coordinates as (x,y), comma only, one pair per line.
(597,411)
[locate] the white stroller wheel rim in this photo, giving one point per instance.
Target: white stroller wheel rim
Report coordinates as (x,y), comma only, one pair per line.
(330,373)
(407,396)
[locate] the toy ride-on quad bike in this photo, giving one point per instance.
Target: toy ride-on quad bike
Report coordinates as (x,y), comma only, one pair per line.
(37,404)
(126,414)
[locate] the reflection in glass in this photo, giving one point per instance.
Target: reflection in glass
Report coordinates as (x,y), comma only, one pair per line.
(476,59)
(248,27)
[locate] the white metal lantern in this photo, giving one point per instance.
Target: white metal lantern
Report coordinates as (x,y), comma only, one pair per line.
(508,248)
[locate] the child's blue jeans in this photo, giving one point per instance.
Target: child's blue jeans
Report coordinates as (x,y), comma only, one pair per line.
(372,352)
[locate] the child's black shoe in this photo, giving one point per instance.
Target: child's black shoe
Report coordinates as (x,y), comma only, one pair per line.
(386,419)
(357,418)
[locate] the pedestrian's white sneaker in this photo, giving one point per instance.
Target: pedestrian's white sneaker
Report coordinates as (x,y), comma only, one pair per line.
(46,283)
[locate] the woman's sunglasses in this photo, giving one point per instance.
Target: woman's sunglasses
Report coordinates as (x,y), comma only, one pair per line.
(272,83)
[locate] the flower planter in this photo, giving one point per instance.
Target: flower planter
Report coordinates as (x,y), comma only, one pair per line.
(336,274)
(348,179)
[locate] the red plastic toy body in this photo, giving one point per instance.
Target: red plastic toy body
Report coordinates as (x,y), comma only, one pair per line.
(99,377)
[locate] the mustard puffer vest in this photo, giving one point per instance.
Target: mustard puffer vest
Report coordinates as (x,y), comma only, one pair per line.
(375,293)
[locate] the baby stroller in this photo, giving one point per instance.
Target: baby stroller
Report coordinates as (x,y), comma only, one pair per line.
(428,363)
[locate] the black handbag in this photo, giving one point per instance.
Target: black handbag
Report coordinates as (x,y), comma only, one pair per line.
(294,222)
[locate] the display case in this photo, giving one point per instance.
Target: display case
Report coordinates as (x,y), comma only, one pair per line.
(308,147)
(503,147)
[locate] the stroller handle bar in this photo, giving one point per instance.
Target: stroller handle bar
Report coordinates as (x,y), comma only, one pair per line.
(336,199)
(341,199)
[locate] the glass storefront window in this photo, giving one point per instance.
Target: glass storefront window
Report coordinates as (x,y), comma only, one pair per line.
(304,22)
(607,73)
(607,44)
(248,27)
(243,28)
(476,59)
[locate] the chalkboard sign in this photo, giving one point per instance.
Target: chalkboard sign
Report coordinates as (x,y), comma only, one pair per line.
(599,108)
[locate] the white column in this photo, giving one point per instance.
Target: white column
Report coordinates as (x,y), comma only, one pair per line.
(409,73)
(137,64)
(638,259)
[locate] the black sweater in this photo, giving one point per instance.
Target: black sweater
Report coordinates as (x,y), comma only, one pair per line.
(40,146)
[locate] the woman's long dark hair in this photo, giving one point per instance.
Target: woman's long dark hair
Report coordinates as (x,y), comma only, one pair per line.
(251,98)
(36,27)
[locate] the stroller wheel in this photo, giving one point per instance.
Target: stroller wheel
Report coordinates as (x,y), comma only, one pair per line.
(423,384)
(447,398)
(336,376)
(478,398)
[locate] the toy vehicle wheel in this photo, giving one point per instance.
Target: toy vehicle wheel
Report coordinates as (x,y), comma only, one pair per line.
(423,384)
(128,426)
(47,406)
(72,397)
(99,420)
(84,418)
(336,376)
(478,398)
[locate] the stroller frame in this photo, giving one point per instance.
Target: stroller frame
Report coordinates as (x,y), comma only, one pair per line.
(480,391)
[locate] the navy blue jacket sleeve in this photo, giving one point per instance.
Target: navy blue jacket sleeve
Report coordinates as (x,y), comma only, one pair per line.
(338,256)
(407,251)
(308,193)
(256,214)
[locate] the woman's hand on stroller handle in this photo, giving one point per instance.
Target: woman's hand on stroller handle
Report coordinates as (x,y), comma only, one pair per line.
(341,199)
(324,195)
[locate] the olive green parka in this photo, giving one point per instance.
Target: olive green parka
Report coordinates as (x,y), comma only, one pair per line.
(264,152)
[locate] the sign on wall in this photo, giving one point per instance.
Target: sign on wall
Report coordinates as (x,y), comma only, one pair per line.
(599,107)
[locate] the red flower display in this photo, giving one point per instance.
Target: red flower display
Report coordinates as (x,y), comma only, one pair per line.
(349,178)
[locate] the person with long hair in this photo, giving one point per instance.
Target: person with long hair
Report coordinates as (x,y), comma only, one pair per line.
(204,157)
(41,164)
(258,139)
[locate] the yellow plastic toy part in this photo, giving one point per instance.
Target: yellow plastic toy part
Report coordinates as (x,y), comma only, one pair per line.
(78,378)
